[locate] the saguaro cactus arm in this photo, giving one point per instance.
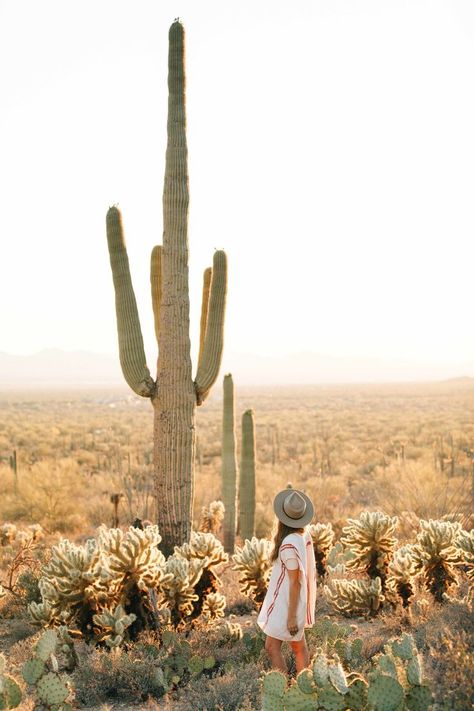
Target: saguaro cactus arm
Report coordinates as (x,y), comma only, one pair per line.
(211,354)
(155,280)
(206,288)
(132,352)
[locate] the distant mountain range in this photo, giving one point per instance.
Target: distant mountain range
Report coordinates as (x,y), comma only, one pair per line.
(55,367)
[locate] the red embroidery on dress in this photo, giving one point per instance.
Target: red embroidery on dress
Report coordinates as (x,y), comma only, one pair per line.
(275,595)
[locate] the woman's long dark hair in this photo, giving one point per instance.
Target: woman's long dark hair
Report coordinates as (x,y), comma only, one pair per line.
(282,531)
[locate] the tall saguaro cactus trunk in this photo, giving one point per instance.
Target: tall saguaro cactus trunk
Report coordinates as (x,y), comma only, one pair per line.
(174,395)
(229,465)
(247,477)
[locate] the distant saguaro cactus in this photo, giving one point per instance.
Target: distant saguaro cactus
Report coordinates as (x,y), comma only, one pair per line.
(247,477)
(174,394)
(229,465)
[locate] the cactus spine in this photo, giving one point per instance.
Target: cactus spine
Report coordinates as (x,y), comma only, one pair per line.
(247,477)
(229,465)
(174,395)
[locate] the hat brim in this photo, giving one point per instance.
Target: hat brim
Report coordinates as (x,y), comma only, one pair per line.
(287,520)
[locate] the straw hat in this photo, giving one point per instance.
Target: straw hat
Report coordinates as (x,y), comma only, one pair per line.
(293,508)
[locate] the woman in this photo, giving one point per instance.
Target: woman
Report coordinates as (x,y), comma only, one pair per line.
(288,606)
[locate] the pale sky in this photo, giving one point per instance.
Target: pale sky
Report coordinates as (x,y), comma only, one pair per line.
(331,154)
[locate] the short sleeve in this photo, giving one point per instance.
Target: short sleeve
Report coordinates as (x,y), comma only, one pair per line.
(289,557)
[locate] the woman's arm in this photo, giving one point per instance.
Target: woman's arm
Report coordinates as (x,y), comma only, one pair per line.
(294,578)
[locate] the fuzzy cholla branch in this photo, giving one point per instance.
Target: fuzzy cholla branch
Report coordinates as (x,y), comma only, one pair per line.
(253,562)
(212,517)
(113,625)
(370,538)
(465,544)
(203,545)
(402,570)
(355,597)
(322,536)
(436,553)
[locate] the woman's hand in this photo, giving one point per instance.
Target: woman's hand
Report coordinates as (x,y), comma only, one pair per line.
(292,624)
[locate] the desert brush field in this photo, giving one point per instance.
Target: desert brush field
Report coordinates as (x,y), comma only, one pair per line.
(94,615)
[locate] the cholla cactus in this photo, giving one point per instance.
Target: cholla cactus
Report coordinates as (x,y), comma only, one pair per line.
(203,545)
(113,625)
(74,582)
(371,539)
(253,562)
(465,545)
(355,597)
(228,632)
(8,533)
(213,606)
(82,581)
(10,692)
(204,549)
(402,571)
(212,517)
(436,553)
(133,556)
(178,586)
(323,537)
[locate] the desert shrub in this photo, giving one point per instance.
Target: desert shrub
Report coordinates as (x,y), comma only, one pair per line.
(231,690)
(125,676)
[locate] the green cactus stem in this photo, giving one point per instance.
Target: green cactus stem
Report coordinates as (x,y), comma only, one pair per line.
(174,394)
(229,465)
(247,477)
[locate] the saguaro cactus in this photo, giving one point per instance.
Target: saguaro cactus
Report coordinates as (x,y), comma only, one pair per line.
(174,394)
(247,477)
(229,465)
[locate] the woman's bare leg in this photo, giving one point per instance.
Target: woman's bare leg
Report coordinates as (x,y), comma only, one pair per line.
(273,648)
(301,653)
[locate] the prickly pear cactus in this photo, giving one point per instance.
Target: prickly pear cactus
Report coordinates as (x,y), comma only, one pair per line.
(254,565)
(273,687)
(10,692)
(42,673)
(385,694)
(370,538)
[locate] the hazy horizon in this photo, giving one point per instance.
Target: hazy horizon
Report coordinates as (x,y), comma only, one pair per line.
(331,159)
(76,368)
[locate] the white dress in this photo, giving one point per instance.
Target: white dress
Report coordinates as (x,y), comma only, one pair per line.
(296,552)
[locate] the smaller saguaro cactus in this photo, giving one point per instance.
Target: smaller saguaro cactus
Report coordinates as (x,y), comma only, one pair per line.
(229,465)
(247,477)
(371,539)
